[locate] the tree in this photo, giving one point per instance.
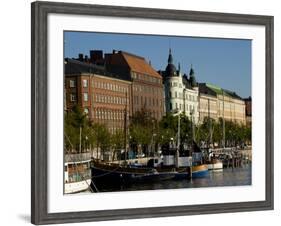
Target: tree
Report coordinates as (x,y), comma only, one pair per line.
(103,138)
(76,128)
(141,130)
(117,141)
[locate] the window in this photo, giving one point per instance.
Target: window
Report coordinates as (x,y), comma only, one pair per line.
(71,83)
(72,97)
(85,96)
(176,105)
(134,75)
(86,110)
(171,106)
(176,94)
(85,83)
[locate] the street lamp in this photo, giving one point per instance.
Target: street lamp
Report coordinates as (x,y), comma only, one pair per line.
(192,124)
(178,112)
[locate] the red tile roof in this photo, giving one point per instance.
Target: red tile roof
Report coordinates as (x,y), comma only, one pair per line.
(139,65)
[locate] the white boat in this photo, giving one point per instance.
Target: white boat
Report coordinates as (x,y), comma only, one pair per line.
(77,172)
(215,165)
(75,187)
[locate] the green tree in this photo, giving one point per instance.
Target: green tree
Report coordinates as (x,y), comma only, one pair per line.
(76,125)
(142,127)
(117,141)
(103,138)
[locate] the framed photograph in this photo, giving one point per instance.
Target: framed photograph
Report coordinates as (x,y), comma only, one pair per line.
(141,112)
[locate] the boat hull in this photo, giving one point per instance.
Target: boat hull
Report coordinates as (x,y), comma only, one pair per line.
(197,171)
(200,171)
(215,166)
(76,187)
(123,176)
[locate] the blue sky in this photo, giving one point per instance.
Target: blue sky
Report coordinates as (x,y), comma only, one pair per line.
(222,62)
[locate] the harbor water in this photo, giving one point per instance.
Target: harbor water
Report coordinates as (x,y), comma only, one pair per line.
(226,177)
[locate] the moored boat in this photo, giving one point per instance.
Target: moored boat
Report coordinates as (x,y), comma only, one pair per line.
(117,173)
(77,172)
(200,170)
(215,164)
(196,172)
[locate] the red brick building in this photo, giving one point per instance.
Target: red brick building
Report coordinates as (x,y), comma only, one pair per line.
(147,88)
(99,84)
(103,96)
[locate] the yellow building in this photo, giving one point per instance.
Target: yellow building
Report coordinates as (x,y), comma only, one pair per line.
(207,107)
(215,102)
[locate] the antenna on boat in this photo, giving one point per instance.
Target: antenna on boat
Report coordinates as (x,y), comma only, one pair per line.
(125,129)
(223,120)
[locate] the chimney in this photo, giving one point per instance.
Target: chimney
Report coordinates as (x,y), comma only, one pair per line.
(80,57)
(114,51)
(96,56)
(86,58)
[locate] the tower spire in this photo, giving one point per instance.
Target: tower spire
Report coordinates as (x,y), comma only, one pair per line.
(191,72)
(170,58)
(170,69)
(192,77)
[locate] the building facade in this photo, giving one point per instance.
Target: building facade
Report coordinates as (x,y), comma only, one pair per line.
(207,107)
(228,104)
(104,98)
(181,92)
(147,87)
(248,110)
(104,85)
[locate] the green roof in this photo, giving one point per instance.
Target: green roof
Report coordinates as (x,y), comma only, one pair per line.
(220,91)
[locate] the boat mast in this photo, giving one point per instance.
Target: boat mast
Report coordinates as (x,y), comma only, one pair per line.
(178,143)
(80,138)
(193,127)
(210,125)
(223,121)
(125,129)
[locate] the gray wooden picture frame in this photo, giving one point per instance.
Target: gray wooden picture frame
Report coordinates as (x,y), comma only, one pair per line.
(39,109)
